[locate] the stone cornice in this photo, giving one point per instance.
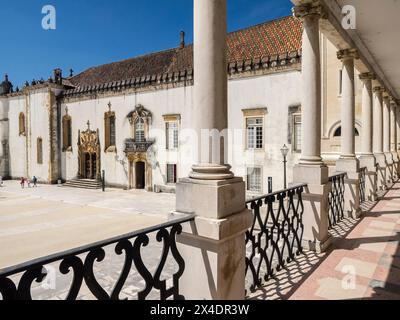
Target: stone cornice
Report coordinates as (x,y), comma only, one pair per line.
(347,54)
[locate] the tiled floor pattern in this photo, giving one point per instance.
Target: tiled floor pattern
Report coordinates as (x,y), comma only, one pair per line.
(366,263)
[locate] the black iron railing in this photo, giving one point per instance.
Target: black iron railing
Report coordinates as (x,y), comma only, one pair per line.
(275,237)
(363,175)
(336,199)
(16,283)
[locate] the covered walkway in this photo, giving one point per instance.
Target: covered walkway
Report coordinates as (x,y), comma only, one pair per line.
(363,262)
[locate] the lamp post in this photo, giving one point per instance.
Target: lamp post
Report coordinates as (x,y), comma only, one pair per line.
(284,151)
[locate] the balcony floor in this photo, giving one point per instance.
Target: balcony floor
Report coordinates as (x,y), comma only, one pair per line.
(363,262)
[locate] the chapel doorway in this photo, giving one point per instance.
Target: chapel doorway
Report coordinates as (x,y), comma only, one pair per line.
(90,166)
(140,171)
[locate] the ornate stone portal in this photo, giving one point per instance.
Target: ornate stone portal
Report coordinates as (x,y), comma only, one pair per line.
(89,154)
(137,147)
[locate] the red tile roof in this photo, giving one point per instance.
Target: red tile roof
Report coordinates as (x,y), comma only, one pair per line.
(260,41)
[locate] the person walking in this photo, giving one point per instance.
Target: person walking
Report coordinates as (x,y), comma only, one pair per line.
(1,181)
(22,182)
(34,180)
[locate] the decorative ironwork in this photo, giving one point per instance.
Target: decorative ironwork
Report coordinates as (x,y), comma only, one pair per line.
(132,146)
(336,199)
(363,174)
(81,263)
(275,237)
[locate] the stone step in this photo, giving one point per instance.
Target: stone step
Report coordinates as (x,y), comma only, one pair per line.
(83,184)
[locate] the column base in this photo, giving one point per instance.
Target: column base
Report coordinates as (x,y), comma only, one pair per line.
(316,205)
(389,167)
(213,245)
(395,165)
(352,186)
(369,162)
(381,171)
(214,254)
(215,199)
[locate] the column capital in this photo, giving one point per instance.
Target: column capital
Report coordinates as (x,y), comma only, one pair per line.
(367,76)
(347,54)
(394,101)
(378,89)
(306,9)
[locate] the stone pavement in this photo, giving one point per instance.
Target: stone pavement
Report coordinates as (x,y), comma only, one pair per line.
(363,263)
(38,222)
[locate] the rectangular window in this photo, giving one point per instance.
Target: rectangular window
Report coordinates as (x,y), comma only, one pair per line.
(254,128)
(172,135)
(39,151)
(139,132)
(171,173)
(254,180)
(112,131)
(297,133)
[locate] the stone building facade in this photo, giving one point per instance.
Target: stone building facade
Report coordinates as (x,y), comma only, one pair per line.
(132,118)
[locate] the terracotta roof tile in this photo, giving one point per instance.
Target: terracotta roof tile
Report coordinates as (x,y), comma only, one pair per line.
(263,40)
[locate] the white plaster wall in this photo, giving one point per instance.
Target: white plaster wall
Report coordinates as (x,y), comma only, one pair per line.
(4,136)
(276,93)
(17,143)
(172,101)
(38,126)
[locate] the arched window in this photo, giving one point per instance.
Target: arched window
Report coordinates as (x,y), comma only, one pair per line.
(109,131)
(21,123)
(39,151)
(67,133)
(338,132)
(139,130)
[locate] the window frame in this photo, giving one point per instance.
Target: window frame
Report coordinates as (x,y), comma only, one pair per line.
(39,151)
(294,132)
(174,137)
(175,173)
(22,124)
(255,146)
(143,130)
(67,133)
(109,145)
(251,190)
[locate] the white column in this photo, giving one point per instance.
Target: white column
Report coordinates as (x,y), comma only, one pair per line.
(393,138)
(311,169)
(348,103)
(210,87)
(348,162)
(311,86)
(386,138)
(378,138)
(367,158)
(213,246)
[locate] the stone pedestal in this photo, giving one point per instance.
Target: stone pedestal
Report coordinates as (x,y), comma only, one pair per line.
(381,171)
(389,167)
(316,205)
(369,162)
(213,246)
(352,186)
(396,161)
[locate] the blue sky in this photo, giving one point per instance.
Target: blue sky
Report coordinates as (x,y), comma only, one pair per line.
(94,32)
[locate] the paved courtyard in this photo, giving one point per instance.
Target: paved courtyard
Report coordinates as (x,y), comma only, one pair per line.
(37,222)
